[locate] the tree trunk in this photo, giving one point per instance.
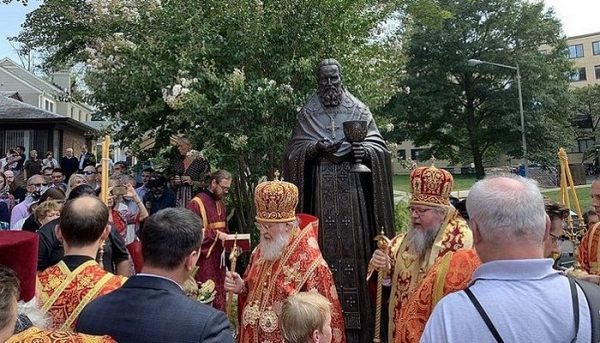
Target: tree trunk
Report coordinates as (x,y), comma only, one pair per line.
(472,130)
(478,161)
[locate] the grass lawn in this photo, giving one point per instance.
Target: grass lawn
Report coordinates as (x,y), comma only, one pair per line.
(464,182)
(461,182)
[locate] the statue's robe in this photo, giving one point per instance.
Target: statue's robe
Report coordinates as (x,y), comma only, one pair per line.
(451,273)
(35,335)
(64,293)
(214,219)
(300,268)
(408,271)
(588,251)
(352,208)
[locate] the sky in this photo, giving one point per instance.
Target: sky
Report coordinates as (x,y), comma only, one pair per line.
(578,17)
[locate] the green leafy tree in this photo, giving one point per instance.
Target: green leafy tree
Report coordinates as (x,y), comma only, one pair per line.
(586,108)
(470,114)
(229,74)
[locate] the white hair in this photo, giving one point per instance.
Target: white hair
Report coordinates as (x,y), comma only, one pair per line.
(508,207)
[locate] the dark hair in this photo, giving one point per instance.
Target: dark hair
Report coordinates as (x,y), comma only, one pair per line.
(9,294)
(54,193)
(83,220)
(83,189)
(58,170)
(47,168)
(169,236)
(586,215)
(121,163)
(49,153)
(148,170)
(555,210)
(219,175)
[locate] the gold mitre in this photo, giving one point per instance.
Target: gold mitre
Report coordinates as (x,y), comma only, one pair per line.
(276,201)
(430,186)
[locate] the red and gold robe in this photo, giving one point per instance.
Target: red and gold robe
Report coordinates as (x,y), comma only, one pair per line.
(35,335)
(407,272)
(214,218)
(451,273)
(64,293)
(588,252)
(301,268)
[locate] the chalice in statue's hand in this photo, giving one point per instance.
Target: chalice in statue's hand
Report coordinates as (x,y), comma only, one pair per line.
(356,132)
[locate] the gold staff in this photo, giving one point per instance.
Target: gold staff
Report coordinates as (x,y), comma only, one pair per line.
(233,256)
(104,183)
(382,243)
(567,186)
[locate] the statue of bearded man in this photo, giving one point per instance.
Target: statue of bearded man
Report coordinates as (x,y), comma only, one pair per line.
(352,208)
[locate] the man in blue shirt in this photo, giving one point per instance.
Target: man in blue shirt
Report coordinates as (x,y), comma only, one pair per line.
(515,295)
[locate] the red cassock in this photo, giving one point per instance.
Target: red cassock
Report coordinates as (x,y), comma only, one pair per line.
(301,268)
(214,218)
(64,293)
(588,251)
(449,274)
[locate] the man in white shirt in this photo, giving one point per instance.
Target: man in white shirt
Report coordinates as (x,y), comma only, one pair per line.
(515,295)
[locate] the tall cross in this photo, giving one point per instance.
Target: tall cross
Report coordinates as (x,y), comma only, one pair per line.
(333,127)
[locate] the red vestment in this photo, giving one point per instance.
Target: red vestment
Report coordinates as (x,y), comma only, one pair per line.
(588,252)
(408,270)
(214,218)
(64,293)
(449,274)
(35,335)
(301,268)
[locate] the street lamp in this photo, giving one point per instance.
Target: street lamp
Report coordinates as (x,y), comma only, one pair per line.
(474,62)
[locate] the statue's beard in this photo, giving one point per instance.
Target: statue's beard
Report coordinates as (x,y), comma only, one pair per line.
(271,249)
(331,96)
(421,239)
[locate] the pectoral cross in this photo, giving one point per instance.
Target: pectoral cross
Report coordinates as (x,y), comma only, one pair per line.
(333,127)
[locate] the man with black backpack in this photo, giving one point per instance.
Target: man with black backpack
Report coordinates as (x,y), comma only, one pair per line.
(515,295)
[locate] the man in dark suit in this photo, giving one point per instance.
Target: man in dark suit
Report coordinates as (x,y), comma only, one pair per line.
(151,306)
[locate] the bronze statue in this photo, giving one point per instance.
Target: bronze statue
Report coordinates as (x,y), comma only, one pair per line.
(352,207)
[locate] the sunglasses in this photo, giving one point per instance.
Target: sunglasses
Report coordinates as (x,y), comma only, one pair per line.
(38,184)
(89,173)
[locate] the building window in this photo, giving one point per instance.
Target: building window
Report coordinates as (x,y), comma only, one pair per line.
(576,51)
(585,144)
(578,75)
(401,155)
(48,105)
(416,154)
(596,48)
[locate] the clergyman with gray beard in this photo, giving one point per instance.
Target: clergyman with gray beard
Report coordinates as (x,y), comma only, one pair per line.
(436,228)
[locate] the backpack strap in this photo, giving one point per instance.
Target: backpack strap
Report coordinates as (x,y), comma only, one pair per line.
(484,316)
(592,295)
(575,304)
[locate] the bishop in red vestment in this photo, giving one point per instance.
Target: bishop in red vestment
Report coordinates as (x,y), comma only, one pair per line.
(288,260)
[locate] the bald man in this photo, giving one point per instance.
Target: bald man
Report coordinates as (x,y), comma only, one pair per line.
(78,277)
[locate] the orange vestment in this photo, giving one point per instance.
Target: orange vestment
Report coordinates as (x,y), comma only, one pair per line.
(301,268)
(588,252)
(407,272)
(35,335)
(449,274)
(64,293)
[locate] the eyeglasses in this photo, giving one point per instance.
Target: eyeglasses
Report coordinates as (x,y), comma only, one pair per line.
(89,173)
(556,238)
(225,189)
(47,174)
(38,184)
(419,210)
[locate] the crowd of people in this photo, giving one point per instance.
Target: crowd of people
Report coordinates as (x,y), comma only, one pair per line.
(154,262)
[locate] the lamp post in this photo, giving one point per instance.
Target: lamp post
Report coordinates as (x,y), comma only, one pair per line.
(475,62)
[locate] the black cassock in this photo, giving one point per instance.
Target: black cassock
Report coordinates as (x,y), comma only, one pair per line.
(352,207)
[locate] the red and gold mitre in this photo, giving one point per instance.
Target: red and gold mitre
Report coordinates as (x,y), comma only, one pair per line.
(430,186)
(276,201)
